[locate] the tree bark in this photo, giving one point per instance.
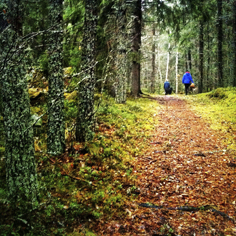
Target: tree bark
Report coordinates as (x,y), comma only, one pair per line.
(189,60)
(176,73)
(220,40)
(234,42)
(167,62)
(208,60)
(121,65)
(153,61)
(136,44)
(56,123)
(201,49)
(21,174)
(159,65)
(85,117)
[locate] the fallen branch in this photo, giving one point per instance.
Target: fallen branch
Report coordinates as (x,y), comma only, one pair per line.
(189,208)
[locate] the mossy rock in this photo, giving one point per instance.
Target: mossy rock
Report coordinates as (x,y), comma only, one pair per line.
(218,93)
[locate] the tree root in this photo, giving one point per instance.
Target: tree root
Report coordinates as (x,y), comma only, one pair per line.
(190,208)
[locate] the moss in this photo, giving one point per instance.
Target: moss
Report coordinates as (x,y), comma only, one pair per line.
(218,93)
(71,96)
(218,107)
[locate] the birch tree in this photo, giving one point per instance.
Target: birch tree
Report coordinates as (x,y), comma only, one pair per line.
(176,73)
(168,62)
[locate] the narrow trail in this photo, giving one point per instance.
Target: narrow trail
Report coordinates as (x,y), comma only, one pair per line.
(186,166)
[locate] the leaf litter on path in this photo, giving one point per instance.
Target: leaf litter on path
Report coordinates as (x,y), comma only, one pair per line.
(187,165)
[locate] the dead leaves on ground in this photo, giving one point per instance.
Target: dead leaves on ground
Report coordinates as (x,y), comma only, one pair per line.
(187,164)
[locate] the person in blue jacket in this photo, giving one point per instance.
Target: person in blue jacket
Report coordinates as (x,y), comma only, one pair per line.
(168,89)
(187,80)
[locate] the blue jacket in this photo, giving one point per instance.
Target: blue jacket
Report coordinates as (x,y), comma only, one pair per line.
(166,85)
(187,78)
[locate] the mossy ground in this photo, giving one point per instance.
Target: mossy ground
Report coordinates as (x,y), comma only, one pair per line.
(218,107)
(92,181)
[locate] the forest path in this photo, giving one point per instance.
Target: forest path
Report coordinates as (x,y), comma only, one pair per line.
(187,165)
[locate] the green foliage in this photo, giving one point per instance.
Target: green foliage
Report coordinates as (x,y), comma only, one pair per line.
(44,64)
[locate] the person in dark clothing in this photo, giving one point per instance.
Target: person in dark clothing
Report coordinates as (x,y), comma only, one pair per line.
(168,89)
(187,80)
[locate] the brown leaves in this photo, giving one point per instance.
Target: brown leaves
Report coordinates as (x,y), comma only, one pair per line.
(186,165)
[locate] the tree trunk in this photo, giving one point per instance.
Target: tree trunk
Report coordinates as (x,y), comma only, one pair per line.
(153,61)
(21,174)
(56,123)
(136,44)
(167,62)
(186,62)
(234,42)
(176,72)
(85,117)
(159,64)
(220,40)
(201,48)
(189,60)
(121,65)
(208,59)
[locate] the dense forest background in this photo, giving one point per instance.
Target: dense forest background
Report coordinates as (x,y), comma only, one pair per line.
(63,63)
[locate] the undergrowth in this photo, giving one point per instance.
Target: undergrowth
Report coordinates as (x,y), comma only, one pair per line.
(89,182)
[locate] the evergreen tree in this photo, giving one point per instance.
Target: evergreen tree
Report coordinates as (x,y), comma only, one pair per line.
(56,124)
(136,44)
(85,116)
(234,42)
(220,39)
(19,143)
(121,57)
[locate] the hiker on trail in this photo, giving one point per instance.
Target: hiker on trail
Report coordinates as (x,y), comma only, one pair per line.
(187,80)
(168,89)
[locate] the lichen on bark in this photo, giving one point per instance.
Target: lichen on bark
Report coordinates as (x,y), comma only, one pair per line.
(85,117)
(56,123)
(21,176)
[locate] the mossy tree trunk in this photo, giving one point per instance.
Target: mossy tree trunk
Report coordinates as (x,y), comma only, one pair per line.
(121,59)
(85,117)
(56,123)
(234,42)
(21,174)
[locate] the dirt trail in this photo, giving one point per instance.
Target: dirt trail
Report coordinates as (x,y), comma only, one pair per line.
(186,165)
